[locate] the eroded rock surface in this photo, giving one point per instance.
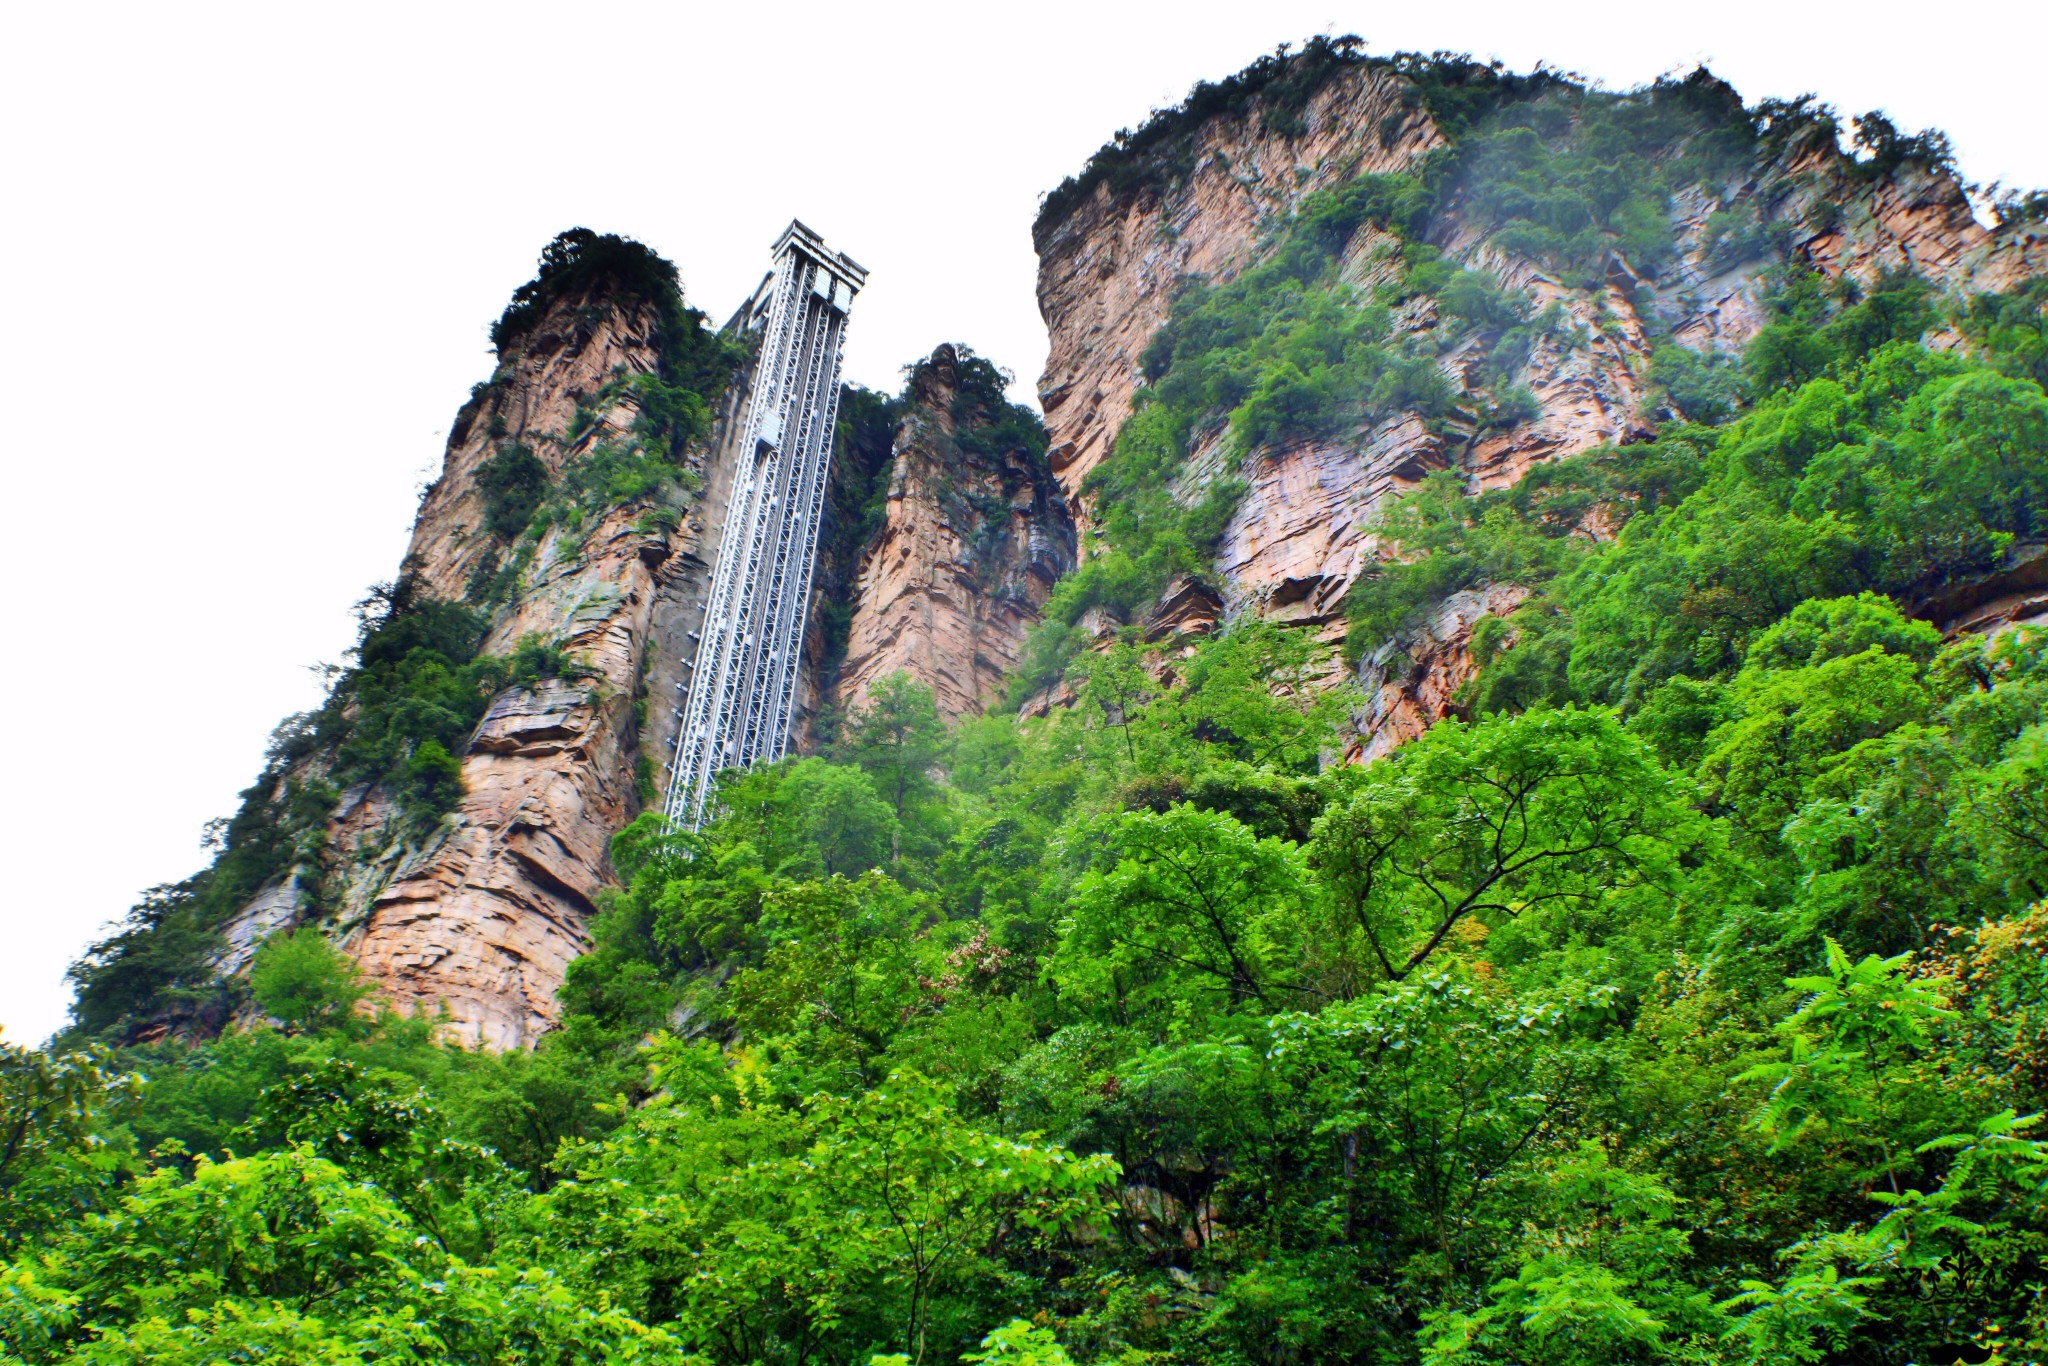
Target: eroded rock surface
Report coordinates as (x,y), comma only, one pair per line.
(1411,682)
(484,920)
(480,917)
(1107,272)
(973,538)
(1111,262)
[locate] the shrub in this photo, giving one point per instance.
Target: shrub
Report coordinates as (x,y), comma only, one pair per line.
(512,482)
(580,261)
(302,982)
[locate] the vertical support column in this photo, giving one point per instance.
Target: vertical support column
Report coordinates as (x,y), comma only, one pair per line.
(744,680)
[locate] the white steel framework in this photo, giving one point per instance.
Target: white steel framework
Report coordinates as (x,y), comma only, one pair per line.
(744,680)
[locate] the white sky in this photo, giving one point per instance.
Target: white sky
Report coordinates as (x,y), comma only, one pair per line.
(254,253)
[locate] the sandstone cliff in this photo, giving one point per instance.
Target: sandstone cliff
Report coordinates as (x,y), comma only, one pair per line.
(479,914)
(1110,266)
(566,545)
(1208,191)
(484,918)
(973,535)
(944,532)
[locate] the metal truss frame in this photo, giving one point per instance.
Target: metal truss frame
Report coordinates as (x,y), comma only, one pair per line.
(743,684)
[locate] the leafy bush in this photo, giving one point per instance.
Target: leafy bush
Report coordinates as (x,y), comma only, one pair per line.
(1884,149)
(582,262)
(302,982)
(2013,329)
(1569,176)
(512,483)
(1699,388)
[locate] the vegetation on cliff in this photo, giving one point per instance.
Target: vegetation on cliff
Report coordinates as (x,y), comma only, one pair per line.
(596,467)
(1557,1036)
(962,419)
(855,502)
(1382,301)
(396,720)
(1278,87)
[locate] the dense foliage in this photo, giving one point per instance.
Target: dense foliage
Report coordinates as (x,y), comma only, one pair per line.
(1706,1030)
(1354,321)
(581,263)
(1873,463)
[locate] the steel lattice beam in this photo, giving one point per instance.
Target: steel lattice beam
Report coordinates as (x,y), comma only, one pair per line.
(743,684)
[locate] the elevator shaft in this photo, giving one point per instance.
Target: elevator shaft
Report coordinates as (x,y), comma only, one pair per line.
(743,683)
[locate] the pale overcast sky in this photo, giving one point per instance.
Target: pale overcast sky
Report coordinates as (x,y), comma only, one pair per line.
(254,253)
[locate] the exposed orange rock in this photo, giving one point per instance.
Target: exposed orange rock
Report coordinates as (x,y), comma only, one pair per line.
(1188,607)
(480,918)
(1411,682)
(484,919)
(1107,272)
(1110,264)
(971,544)
(569,354)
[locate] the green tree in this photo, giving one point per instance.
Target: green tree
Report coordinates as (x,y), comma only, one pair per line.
(811,818)
(1790,728)
(776,1231)
(63,1150)
(282,1256)
(1595,1279)
(842,973)
(897,737)
(382,1128)
(512,483)
(300,980)
(1187,907)
(1436,1090)
(1553,818)
(1861,1025)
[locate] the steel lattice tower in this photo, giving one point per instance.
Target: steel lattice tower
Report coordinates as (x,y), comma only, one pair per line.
(744,681)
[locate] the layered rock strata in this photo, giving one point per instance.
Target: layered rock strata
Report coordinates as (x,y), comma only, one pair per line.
(479,919)
(973,536)
(1112,259)
(1412,681)
(1108,271)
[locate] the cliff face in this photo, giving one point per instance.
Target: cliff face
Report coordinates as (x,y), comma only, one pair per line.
(863,456)
(484,918)
(945,532)
(480,915)
(1109,269)
(973,535)
(1215,200)
(952,514)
